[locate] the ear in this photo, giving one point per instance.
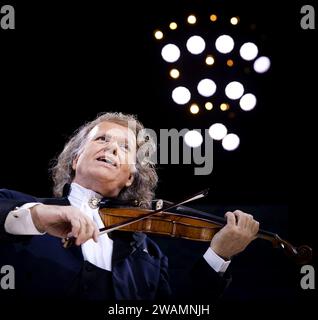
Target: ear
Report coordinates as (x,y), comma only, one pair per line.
(74,163)
(130,180)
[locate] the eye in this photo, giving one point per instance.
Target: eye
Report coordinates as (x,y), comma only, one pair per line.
(102,138)
(124,146)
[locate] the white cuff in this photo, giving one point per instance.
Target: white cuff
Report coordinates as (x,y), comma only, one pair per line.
(19,221)
(215,261)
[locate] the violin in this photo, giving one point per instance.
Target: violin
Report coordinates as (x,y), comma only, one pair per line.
(189,224)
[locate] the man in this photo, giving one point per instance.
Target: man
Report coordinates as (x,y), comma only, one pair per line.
(100,161)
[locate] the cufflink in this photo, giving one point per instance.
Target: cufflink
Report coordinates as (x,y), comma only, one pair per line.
(16,214)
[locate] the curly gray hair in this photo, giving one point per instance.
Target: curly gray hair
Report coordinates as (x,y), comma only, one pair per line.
(145,176)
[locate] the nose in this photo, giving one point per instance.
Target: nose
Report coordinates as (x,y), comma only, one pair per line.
(112,147)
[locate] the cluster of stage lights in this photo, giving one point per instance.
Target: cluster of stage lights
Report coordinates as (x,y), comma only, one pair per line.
(207,87)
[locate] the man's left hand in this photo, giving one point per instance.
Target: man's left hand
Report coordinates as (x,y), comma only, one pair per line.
(234,237)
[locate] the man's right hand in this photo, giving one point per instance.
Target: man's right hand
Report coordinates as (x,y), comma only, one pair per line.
(63,222)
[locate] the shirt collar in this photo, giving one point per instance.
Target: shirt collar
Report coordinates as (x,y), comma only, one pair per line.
(79,194)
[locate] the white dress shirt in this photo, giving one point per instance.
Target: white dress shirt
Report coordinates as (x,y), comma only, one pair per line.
(98,253)
(19,222)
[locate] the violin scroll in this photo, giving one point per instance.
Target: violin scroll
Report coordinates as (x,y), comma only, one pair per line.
(301,255)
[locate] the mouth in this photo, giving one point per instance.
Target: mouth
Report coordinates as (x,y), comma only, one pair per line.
(108,161)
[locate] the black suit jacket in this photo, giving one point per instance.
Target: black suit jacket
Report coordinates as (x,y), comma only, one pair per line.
(44,269)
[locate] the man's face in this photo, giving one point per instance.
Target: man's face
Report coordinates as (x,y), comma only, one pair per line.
(107,160)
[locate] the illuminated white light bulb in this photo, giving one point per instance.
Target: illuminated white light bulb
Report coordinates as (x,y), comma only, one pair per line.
(217,131)
(181,95)
(224,44)
(234,90)
(195,44)
(206,87)
(193,138)
(170,52)
(248,51)
(248,102)
(262,64)
(230,142)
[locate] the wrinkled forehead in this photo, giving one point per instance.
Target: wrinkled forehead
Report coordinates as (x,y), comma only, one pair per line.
(114,131)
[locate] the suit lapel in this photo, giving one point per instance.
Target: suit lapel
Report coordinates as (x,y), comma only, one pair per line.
(125,243)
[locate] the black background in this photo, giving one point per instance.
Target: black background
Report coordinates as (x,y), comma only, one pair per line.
(67,61)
